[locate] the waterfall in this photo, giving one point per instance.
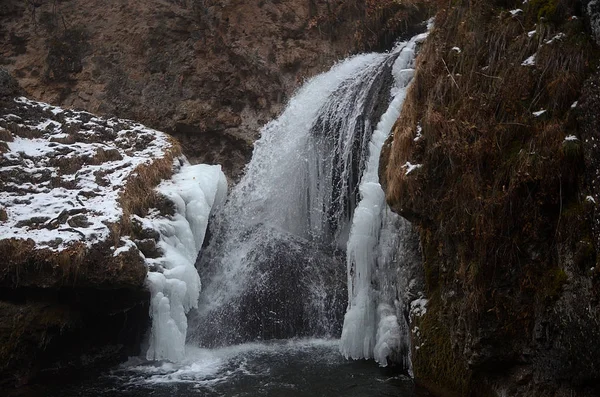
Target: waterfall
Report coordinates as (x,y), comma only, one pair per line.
(292,233)
(371,327)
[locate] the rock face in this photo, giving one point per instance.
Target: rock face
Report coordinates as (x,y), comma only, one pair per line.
(72,289)
(210,72)
(502,119)
(298,290)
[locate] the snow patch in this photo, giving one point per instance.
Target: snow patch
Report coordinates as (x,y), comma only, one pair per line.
(529,61)
(539,112)
(54,206)
(411,167)
(418,307)
(559,36)
(419,134)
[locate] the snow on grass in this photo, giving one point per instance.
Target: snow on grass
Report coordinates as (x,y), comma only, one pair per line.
(419,134)
(539,112)
(571,138)
(418,307)
(411,167)
(62,176)
(529,61)
(516,12)
(456,49)
(559,36)
(58,193)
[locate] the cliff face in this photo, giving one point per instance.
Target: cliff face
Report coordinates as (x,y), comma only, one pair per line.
(210,72)
(502,121)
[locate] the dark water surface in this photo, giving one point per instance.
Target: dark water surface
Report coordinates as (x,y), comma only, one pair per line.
(287,368)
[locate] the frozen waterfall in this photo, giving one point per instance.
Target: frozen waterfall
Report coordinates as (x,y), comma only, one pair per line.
(293,248)
(371,327)
(196,191)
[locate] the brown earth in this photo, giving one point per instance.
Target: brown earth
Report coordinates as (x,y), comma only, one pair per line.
(210,72)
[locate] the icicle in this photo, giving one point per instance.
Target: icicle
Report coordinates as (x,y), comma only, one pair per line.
(371,329)
(196,191)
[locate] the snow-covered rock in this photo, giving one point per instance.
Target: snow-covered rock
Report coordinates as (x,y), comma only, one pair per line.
(81,199)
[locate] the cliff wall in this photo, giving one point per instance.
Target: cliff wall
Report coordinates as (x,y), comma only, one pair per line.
(210,72)
(499,130)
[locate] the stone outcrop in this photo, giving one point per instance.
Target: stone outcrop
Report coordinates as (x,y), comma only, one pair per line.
(72,296)
(502,119)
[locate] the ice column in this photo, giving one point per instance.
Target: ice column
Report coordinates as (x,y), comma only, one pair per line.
(196,191)
(371,329)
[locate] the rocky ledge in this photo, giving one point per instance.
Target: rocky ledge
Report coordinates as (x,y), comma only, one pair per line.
(90,209)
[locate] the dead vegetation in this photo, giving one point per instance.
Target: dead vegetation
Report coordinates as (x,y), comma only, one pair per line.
(496,177)
(139,195)
(379,23)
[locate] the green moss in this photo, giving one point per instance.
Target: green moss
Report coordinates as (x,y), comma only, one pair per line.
(435,363)
(552,283)
(547,9)
(430,268)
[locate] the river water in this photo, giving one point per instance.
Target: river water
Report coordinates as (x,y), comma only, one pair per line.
(282,368)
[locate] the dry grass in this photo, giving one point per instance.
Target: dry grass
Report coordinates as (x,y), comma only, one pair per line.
(139,194)
(481,144)
(27,265)
(495,180)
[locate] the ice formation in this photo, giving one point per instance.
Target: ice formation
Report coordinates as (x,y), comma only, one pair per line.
(371,328)
(196,191)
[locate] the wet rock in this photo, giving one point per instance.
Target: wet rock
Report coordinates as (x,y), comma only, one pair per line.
(295,289)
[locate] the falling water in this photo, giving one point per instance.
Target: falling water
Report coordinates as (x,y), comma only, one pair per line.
(275,266)
(304,247)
